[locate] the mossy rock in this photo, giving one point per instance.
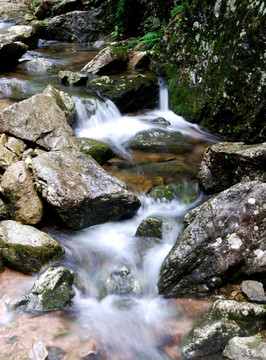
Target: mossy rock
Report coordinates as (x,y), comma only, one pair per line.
(96,149)
(186,192)
(154,227)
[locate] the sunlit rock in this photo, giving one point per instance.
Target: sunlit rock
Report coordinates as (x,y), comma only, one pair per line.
(245,348)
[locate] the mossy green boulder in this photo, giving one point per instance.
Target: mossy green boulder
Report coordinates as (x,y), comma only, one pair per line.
(185,192)
(96,149)
(155,227)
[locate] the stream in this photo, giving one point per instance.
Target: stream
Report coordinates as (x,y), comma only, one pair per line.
(99,319)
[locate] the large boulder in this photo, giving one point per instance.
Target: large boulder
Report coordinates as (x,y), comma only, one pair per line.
(22,200)
(51,291)
(245,348)
(25,248)
(129,93)
(77,26)
(109,60)
(24,33)
(221,240)
(225,319)
(10,52)
(81,192)
(226,164)
(39,120)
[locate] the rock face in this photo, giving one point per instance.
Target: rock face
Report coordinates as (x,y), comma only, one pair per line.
(77,26)
(22,200)
(225,319)
(51,291)
(40,120)
(226,164)
(108,61)
(230,224)
(129,93)
(81,192)
(24,33)
(214,57)
(25,248)
(96,149)
(10,52)
(245,348)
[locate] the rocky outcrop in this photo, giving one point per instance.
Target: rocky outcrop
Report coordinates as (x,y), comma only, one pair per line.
(213,54)
(35,65)
(39,120)
(25,248)
(10,52)
(225,320)
(51,291)
(22,200)
(226,164)
(245,348)
(98,150)
(108,61)
(129,93)
(80,191)
(230,224)
(24,33)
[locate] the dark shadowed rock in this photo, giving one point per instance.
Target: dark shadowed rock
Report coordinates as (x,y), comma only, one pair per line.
(10,52)
(155,227)
(110,60)
(24,33)
(51,291)
(225,319)
(140,60)
(40,120)
(217,241)
(226,164)
(245,348)
(129,93)
(81,192)
(25,248)
(66,6)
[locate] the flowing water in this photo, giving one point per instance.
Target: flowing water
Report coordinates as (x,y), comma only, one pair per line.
(121,326)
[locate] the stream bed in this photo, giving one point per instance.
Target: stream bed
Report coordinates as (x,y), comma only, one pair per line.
(101,323)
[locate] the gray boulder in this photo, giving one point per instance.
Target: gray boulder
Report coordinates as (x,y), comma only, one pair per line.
(220,240)
(40,120)
(12,12)
(51,291)
(77,26)
(245,348)
(226,164)
(129,93)
(225,319)
(109,60)
(72,78)
(24,33)
(10,52)
(35,65)
(38,352)
(6,157)
(254,291)
(22,200)
(25,248)
(11,89)
(80,191)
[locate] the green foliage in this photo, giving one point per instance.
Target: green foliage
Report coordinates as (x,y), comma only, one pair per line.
(179,8)
(152,38)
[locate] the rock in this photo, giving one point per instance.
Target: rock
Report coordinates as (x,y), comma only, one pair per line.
(38,352)
(230,224)
(254,291)
(10,52)
(160,120)
(12,12)
(24,33)
(186,192)
(66,6)
(77,26)
(122,283)
(225,319)
(80,191)
(140,60)
(55,353)
(51,291)
(3,211)
(72,78)
(6,157)
(96,149)
(158,140)
(44,8)
(28,18)
(154,227)
(11,90)
(129,93)
(22,200)
(35,65)
(39,120)
(63,100)
(245,348)
(110,60)
(15,146)
(25,248)
(226,164)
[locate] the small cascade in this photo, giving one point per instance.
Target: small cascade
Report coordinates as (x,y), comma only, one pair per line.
(164,98)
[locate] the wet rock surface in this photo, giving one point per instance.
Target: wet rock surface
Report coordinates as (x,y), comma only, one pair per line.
(80,191)
(226,164)
(72,78)
(225,320)
(25,248)
(121,282)
(154,227)
(245,348)
(96,149)
(230,224)
(35,65)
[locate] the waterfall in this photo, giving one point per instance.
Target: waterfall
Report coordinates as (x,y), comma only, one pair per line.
(163,95)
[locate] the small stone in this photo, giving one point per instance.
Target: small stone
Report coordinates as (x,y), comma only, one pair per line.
(254,291)
(38,352)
